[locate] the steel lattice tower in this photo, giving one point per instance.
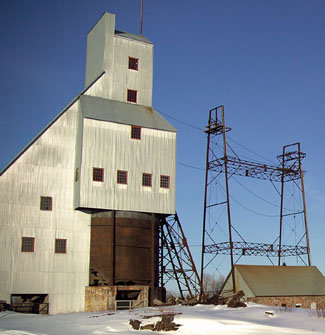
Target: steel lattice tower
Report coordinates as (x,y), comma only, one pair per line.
(220,168)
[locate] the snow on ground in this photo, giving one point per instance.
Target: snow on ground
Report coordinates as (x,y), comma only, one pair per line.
(200,319)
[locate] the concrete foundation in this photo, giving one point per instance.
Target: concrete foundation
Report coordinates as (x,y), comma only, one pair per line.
(103,298)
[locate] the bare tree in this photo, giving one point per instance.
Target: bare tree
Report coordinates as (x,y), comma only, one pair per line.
(212,284)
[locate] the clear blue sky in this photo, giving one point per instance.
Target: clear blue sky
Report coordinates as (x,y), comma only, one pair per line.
(263,60)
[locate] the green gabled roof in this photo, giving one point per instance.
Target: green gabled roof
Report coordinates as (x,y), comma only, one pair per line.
(282,280)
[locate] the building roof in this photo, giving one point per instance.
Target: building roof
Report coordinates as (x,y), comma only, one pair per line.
(132,36)
(123,112)
(106,110)
(282,280)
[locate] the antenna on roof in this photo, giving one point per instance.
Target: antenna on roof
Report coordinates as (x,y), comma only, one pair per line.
(141,11)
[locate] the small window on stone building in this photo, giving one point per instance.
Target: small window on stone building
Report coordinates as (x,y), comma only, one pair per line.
(60,246)
(132,96)
(147,179)
(46,204)
(136,132)
(122,177)
(298,305)
(164,181)
(98,174)
(133,63)
(27,244)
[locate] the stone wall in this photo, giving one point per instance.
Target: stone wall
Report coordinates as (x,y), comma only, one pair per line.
(102,298)
(315,302)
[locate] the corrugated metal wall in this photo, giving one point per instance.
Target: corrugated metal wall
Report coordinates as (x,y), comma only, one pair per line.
(114,60)
(45,169)
(109,146)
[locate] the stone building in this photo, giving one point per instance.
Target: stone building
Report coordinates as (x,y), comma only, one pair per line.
(284,286)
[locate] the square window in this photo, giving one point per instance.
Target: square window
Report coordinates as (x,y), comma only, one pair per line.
(147,179)
(136,132)
(132,96)
(122,177)
(133,63)
(46,203)
(164,181)
(98,174)
(27,244)
(60,246)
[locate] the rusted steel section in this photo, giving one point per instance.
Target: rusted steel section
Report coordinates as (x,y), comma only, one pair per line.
(152,260)
(124,249)
(177,259)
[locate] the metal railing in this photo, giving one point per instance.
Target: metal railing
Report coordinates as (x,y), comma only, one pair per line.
(128,304)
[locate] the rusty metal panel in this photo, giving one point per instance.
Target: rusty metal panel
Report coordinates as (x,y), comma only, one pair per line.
(133,265)
(128,253)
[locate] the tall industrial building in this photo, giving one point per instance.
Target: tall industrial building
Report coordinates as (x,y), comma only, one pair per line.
(80,205)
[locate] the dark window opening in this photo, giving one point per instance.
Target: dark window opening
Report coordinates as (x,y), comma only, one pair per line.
(146,179)
(27,244)
(132,96)
(164,181)
(46,203)
(127,294)
(98,174)
(122,177)
(136,132)
(133,63)
(60,246)
(128,299)
(30,303)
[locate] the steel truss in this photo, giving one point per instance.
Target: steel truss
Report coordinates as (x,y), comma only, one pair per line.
(288,170)
(176,262)
(254,249)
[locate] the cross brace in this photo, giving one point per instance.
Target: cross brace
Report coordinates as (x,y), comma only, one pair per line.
(252,169)
(255,249)
(176,259)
